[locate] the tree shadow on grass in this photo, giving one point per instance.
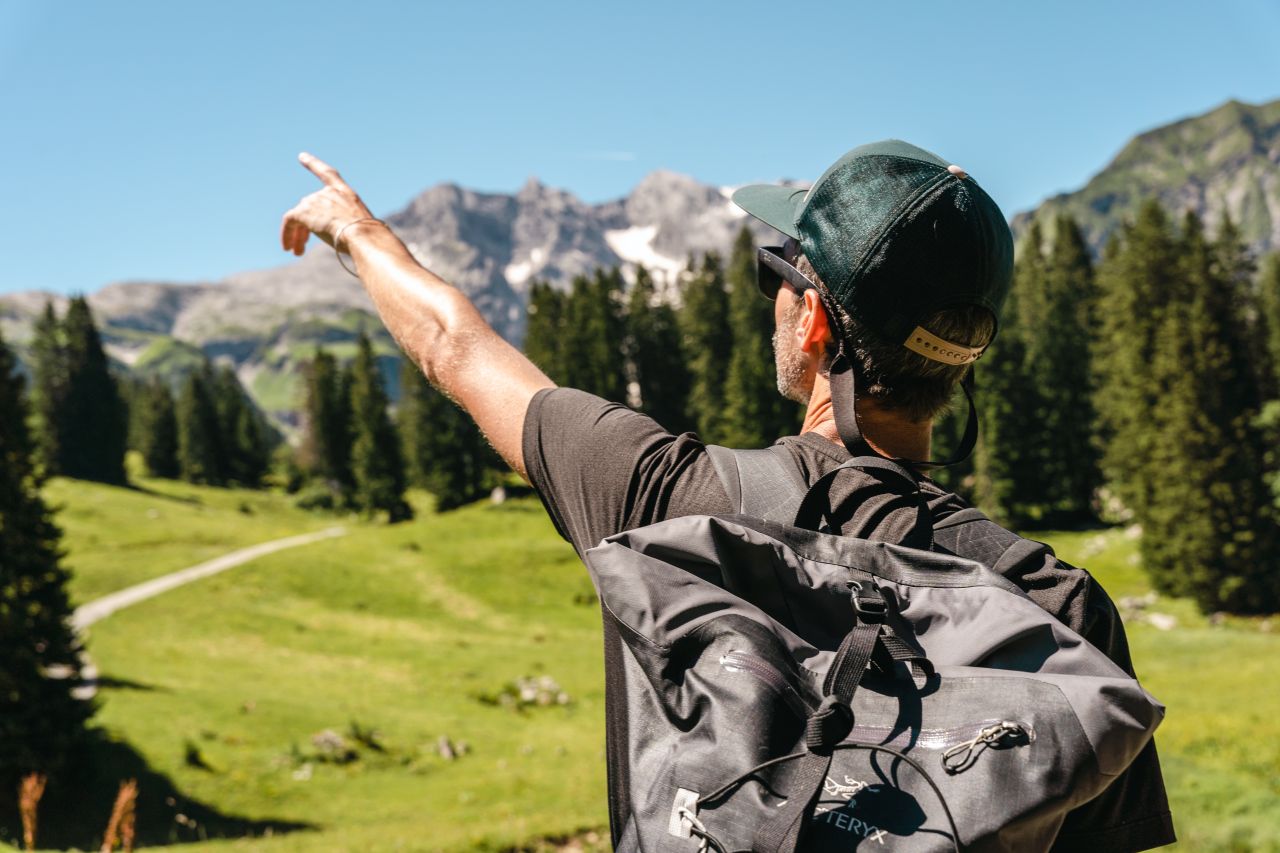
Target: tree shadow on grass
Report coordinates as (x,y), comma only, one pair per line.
(194,500)
(111,682)
(77,804)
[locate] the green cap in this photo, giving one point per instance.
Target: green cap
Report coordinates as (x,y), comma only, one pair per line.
(896,233)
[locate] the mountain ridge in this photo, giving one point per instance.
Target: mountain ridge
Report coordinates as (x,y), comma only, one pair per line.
(493,245)
(1226,160)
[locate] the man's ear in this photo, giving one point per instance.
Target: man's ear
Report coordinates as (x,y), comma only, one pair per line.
(816,328)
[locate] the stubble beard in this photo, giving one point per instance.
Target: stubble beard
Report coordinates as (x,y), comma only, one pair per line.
(790,361)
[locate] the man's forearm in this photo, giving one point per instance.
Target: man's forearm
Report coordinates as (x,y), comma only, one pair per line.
(432,321)
(424,313)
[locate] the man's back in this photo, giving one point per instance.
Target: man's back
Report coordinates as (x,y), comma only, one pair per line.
(602,468)
(896,267)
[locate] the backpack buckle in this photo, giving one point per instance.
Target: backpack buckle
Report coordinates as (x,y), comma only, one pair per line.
(868,603)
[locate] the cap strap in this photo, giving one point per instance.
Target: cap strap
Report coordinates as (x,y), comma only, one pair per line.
(844,405)
(933,347)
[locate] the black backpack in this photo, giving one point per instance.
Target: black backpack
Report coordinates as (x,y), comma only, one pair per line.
(770,687)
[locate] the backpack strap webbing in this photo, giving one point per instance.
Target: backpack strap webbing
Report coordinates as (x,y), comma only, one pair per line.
(964,516)
(827,726)
(763,483)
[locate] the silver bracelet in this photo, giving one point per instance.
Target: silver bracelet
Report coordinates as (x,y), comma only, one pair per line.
(337,241)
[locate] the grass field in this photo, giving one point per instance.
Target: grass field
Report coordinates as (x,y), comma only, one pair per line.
(392,638)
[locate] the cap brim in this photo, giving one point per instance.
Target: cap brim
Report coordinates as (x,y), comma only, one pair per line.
(775,206)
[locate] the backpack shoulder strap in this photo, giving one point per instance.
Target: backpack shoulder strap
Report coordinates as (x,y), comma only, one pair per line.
(970,534)
(814,510)
(963,516)
(763,483)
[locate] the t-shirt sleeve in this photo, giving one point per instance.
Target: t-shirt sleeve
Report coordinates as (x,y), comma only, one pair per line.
(602,468)
(1133,812)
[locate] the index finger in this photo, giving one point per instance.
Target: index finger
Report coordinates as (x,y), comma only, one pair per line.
(322,170)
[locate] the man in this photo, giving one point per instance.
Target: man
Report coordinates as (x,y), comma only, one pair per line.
(887,290)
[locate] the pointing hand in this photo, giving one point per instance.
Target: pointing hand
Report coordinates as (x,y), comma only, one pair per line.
(325,212)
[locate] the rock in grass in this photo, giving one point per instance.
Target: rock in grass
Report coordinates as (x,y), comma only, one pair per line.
(333,747)
(451,750)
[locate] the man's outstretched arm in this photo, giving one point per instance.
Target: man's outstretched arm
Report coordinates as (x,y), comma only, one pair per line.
(434,323)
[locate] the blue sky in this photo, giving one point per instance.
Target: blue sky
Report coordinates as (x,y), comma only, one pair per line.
(156,140)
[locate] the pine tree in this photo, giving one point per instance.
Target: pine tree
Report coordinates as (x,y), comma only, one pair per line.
(200,454)
(94,419)
(1010,450)
(577,336)
(1209,530)
(40,716)
(543,340)
(154,428)
(1246,329)
(1059,352)
(656,357)
(253,438)
(1239,266)
(445,453)
(610,305)
(326,443)
(755,413)
(593,336)
(1136,280)
(1269,315)
(377,466)
(1030,415)
(708,345)
(245,447)
(49,372)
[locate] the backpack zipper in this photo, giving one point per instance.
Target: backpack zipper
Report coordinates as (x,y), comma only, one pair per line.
(766,672)
(962,743)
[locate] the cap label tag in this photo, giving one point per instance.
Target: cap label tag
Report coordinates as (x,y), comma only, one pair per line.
(931,346)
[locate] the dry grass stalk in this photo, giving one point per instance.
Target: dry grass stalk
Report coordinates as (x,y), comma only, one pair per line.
(29,794)
(121,826)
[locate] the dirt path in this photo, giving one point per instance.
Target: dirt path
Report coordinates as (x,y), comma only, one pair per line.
(101,608)
(87,614)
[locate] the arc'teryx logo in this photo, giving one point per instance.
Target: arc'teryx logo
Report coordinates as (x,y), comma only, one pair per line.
(839,817)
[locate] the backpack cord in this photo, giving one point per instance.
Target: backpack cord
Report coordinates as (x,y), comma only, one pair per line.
(832,723)
(724,789)
(844,406)
(870,747)
(698,830)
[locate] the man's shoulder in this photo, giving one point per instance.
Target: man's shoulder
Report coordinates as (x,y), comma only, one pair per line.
(601,467)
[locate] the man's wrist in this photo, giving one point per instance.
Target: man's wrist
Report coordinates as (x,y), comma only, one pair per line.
(375,238)
(352,229)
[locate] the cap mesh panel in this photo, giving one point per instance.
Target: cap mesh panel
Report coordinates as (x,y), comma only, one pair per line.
(897,238)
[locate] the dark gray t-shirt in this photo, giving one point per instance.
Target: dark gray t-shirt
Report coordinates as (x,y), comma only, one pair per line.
(602,468)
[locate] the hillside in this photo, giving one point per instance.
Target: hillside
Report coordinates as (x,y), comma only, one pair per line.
(218,695)
(1225,161)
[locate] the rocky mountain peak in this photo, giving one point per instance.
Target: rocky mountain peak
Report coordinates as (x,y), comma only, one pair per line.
(494,245)
(1226,161)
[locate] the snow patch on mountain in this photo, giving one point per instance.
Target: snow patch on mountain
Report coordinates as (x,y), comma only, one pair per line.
(635,245)
(518,273)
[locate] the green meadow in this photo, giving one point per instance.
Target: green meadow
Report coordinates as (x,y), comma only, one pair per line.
(358,693)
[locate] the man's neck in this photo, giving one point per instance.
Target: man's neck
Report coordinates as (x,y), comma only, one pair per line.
(887,431)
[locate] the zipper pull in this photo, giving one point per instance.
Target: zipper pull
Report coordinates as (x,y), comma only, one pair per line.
(962,756)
